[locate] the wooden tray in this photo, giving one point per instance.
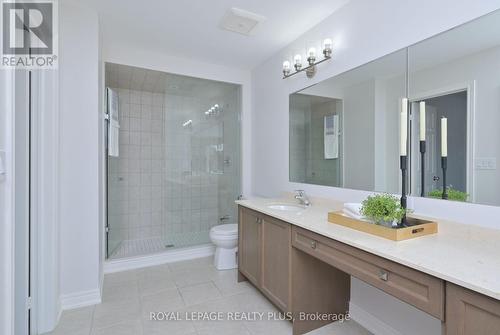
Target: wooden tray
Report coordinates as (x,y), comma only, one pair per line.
(415,227)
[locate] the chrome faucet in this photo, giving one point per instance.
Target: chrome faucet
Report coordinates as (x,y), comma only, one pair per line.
(301,196)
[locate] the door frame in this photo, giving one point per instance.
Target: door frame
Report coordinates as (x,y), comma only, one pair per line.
(470,88)
(6,201)
(44,199)
(45,193)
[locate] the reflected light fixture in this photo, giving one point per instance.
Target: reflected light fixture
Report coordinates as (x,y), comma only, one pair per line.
(214,110)
(312,61)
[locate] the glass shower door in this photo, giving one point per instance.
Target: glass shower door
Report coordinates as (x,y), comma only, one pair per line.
(194,207)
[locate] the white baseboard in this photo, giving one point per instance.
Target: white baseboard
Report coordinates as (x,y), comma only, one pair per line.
(370,322)
(169,256)
(80,299)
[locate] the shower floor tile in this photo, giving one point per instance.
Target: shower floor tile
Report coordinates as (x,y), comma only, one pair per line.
(130,248)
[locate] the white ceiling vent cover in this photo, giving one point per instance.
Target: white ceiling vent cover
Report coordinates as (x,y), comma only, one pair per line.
(240,21)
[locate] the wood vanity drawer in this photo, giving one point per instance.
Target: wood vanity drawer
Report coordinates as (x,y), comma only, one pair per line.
(414,287)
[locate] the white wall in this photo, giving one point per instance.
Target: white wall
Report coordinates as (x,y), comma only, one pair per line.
(79,155)
(359,135)
(363,30)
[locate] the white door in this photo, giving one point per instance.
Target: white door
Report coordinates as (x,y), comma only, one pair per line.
(22,229)
(433,152)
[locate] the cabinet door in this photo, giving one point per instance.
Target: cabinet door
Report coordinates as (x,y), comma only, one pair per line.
(276,258)
(249,245)
(470,313)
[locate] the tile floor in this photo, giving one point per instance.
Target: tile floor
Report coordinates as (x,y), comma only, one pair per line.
(189,286)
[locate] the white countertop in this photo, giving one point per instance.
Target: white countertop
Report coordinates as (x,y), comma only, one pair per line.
(466,255)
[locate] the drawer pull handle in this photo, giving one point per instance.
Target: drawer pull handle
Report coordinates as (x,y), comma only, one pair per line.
(313,244)
(383,275)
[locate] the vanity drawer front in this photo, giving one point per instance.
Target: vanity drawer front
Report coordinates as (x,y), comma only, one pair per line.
(414,287)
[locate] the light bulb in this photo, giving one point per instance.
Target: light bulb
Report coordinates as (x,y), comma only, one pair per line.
(286,68)
(327,47)
(312,56)
(327,43)
(298,62)
(312,52)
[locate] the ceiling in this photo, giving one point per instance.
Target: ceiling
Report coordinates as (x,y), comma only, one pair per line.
(190,28)
(136,78)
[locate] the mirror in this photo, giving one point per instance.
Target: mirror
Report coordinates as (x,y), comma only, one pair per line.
(344,131)
(456,76)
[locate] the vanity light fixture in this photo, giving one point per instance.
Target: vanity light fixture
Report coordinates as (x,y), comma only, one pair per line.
(312,61)
(214,110)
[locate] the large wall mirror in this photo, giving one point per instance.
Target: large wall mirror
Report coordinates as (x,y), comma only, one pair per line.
(454,78)
(344,130)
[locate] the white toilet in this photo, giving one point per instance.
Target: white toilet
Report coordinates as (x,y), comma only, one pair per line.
(225,238)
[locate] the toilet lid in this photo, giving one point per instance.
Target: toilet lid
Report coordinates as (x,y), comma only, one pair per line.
(226,229)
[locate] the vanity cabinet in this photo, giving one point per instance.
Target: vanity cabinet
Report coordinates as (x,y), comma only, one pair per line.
(414,287)
(265,255)
(249,245)
(276,251)
(470,313)
(301,271)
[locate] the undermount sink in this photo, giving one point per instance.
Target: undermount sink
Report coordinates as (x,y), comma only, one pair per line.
(287,207)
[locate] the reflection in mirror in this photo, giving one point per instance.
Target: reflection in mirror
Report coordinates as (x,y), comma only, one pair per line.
(454,83)
(344,131)
(315,142)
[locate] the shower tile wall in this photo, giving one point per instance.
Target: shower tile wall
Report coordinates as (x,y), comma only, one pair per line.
(135,177)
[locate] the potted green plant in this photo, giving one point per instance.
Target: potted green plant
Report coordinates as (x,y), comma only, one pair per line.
(453,194)
(383,209)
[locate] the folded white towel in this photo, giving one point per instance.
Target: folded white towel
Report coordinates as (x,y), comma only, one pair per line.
(351,214)
(114,125)
(113,138)
(354,207)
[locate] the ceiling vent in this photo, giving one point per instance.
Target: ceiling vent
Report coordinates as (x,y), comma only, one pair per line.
(240,21)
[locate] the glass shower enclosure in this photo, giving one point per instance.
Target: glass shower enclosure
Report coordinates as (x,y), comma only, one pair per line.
(177,172)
